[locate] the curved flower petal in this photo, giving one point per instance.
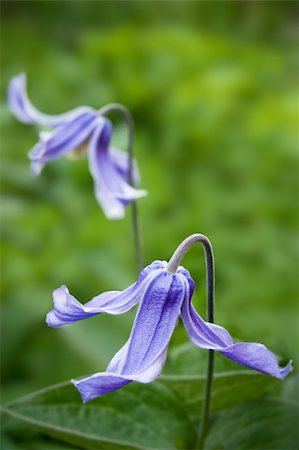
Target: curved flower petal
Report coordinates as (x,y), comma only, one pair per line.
(204,334)
(99,384)
(210,336)
(258,357)
(121,161)
(63,139)
(23,110)
(111,188)
(142,357)
(67,309)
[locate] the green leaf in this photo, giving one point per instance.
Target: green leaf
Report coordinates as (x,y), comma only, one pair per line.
(16,435)
(232,384)
(270,424)
(229,389)
(136,417)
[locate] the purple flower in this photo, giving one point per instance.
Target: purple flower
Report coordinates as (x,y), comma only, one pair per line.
(108,166)
(164,298)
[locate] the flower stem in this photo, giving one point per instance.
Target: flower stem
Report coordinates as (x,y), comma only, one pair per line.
(134,210)
(206,403)
(210,295)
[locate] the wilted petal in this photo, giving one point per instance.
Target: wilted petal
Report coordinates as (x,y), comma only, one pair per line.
(63,139)
(210,336)
(111,188)
(142,357)
(23,110)
(67,309)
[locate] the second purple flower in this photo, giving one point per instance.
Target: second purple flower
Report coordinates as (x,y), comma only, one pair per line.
(81,126)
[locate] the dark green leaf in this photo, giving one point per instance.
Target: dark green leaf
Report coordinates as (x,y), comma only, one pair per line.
(229,389)
(136,417)
(270,424)
(16,435)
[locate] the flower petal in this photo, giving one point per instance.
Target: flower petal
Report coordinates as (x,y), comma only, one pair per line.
(210,336)
(142,357)
(23,110)
(67,309)
(63,139)
(90,387)
(258,357)
(111,188)
(121,161)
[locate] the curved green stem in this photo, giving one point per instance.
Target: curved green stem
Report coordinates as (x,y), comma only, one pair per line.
(210,280)
(135,222)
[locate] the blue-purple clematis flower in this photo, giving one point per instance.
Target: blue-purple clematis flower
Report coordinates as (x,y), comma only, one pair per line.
(164,298)
(71,130)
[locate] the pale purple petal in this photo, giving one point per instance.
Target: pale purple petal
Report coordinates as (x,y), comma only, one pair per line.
(204,334)
(142,357)
(20,105)
(63,139)
(213,337)
(111,188)
(154,324)
(121,161)
(257,357)
(67,309)
(92,387)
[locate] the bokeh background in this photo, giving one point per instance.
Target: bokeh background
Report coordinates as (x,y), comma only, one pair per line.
(213,90)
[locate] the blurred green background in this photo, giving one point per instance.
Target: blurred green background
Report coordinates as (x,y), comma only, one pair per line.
(212,89)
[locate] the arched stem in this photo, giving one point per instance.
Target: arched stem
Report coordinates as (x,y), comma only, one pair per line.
(135,222)
(172,266)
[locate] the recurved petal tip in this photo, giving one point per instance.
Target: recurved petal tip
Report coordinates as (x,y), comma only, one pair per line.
(52,321)
(17,99)
(286,370)
(99,384)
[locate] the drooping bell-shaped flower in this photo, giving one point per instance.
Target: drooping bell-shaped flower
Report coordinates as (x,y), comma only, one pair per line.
(164,297)
(71,130)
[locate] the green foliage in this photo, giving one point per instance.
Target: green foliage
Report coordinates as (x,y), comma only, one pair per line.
(160,415)
(229,389)
(150,416)
(17,435)
(141,416)
(270,424)
(212,88)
